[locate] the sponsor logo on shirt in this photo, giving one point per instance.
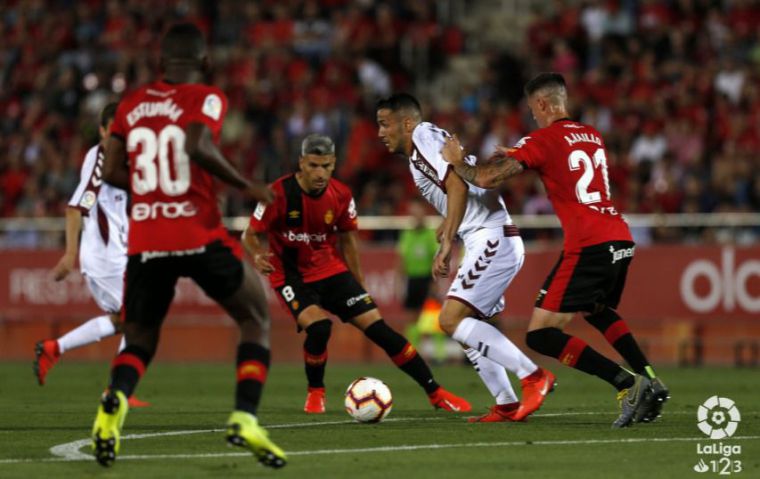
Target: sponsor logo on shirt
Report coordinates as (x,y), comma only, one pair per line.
(173,210)
(304,237)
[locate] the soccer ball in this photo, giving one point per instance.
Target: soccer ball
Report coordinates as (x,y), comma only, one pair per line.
(368,400)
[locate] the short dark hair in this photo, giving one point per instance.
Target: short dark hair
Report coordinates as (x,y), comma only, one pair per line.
(543,80)
(316,144)
(398,102)
(183,42)
(107,113)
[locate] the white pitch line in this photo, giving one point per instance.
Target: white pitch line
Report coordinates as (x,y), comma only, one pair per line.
(414,447)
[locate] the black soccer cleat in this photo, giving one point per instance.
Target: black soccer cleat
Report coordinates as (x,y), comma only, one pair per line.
(654,400)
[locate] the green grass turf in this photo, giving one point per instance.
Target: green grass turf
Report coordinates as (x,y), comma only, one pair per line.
(199,397)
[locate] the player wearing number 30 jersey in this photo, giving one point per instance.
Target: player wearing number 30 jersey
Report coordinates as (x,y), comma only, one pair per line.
(163,148)
(589,277)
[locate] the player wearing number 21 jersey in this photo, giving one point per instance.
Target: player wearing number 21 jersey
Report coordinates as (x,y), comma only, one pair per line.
(571,160)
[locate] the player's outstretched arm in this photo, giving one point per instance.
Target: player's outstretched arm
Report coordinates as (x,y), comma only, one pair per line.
(66,264)
(348,242)
(200,147)
(258,252)
(115,169)
(490,174)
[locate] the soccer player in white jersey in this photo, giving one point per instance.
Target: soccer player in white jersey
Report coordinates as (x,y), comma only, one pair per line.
(494,253)
(99,210)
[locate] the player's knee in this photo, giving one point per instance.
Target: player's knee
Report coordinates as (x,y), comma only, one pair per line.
(319,331)
(541,340)
(449,323)
(601,320)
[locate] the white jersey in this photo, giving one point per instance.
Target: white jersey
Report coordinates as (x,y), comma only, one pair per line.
(485,208)
(103,249)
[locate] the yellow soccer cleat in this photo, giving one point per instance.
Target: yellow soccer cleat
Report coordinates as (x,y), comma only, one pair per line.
(243,430)
(107,428)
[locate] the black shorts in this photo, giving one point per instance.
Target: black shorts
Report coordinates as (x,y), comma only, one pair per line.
(417,290)
(151,278)
(581,281)
(340,294)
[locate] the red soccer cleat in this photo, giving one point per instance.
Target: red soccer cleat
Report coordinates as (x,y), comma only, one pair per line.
(46,355)
(535,388)
(315,401)
(498,413)
(134,402)
(443,399)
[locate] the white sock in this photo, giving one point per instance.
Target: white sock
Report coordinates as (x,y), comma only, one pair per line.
(90,332)
(122,344)
(495,346)
(494,376)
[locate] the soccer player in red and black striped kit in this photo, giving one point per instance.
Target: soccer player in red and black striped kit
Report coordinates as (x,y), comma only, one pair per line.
(571,160)
(163,149)
(314,267)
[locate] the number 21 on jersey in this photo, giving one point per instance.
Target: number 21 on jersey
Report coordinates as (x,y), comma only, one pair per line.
(579,159)
(152,164)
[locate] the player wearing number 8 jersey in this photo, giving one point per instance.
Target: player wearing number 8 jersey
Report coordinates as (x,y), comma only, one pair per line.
(163,149)
(571,160)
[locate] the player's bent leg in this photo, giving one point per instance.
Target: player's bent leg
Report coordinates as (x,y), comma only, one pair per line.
(406,358)
(313,320)
(243,430)
(106,431)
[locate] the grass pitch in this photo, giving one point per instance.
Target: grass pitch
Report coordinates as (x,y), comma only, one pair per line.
(181,434)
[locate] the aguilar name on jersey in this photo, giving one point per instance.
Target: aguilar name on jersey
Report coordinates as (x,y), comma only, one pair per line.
(485,208)
(571,159)
(174,205)
(302,229)
(103,251)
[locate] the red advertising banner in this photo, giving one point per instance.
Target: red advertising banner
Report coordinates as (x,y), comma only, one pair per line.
(675,291)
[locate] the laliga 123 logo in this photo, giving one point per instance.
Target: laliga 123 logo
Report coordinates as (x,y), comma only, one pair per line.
(718,417)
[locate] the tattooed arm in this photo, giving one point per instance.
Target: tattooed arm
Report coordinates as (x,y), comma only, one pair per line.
(490,174)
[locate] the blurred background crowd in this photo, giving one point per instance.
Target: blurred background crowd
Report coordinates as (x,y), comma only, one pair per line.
(672,85)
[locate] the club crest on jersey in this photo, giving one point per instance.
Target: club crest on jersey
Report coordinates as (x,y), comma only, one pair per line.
(294,214)
(295,304)
(329,216)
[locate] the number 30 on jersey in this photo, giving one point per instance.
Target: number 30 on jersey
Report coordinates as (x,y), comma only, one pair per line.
(153,168)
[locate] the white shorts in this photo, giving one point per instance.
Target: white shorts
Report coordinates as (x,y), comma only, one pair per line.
(493,257)
(107,292)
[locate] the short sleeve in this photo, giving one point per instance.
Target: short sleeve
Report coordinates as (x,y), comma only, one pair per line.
(428,142)
(86,194)
(262,217)
(528,151)
(348,220)
(209,107)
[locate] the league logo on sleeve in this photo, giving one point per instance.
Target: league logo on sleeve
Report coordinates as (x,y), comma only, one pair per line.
(88,199)
(212,106)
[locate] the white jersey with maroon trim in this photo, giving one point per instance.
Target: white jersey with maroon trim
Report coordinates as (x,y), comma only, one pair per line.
(103,249)
(485,208)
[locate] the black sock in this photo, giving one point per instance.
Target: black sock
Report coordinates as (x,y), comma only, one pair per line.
(616,331)
(315,352)
(252,369)
(403,354)
(127,369)
(574,352)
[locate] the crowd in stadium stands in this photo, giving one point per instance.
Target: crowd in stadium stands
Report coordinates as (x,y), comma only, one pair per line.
(673,86)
